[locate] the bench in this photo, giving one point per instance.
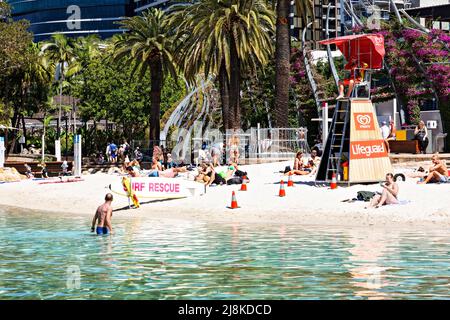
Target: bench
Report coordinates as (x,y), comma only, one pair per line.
(53,167)
(406,146)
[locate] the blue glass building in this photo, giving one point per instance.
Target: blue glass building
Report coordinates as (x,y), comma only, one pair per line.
(80,17)
(75,18)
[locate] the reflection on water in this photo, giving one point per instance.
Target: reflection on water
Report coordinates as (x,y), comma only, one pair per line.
(165,259)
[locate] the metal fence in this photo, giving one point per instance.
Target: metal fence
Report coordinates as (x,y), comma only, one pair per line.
(256,144)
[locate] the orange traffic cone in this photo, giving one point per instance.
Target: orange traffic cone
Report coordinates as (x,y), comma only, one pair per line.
(243,186)
(333,184)
(282,192)
(234,204)
(290,182)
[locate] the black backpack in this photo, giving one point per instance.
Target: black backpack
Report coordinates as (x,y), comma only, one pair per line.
(234,180)
(365,195)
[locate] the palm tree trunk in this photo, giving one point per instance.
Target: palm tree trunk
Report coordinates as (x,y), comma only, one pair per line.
(224,87)
(156,85)
(235,88)
(282,64)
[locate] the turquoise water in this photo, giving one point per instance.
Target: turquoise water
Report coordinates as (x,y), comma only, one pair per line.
(42,255)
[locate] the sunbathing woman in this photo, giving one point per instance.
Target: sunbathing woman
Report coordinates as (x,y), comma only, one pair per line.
(234,148)
(206,174)
(389,194)
(299,168)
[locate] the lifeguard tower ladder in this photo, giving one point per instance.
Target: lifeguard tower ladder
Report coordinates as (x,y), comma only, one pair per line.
(355,150)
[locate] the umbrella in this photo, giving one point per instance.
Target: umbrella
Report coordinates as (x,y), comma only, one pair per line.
(362,48)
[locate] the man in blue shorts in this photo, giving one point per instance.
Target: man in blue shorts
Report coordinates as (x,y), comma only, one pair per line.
(103,217)
(113,150)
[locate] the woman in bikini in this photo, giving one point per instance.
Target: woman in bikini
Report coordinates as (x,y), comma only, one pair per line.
(388,195)
(299,168)
(234,148)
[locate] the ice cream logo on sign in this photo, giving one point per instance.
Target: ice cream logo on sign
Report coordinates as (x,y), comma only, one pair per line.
(364,121)
(367,149)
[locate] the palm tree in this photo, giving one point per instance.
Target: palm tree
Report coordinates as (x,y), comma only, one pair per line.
(60,51)
(224,38)
(149,46)
(282,68)
(37,74)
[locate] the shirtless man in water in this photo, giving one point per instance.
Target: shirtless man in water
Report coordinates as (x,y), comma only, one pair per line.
(438,171)
(103,217)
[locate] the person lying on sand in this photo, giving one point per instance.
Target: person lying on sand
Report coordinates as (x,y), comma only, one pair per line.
(438,172)
(103,217)
(388,195)
(299,168)
(172,172)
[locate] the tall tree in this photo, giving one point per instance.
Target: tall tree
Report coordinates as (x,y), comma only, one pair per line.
(224,38)
(60,51)
(304,8)
(24,74)
(149,45)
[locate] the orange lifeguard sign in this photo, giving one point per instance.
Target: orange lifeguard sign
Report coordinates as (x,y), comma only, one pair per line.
(354,138)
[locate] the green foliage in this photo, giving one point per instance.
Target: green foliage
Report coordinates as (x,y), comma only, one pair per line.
(209,29)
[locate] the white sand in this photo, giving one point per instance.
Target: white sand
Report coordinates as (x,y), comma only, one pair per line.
(304,204)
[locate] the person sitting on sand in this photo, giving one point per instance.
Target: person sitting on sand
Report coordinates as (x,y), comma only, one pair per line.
(388,195)
(170,163)
(313,162)
(65,168)
(44,171)
(438,172)
(156,165)
(28,171)
(103,217)
(205,174)
(299,167)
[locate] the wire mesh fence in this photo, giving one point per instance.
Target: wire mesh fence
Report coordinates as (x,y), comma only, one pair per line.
(251,146)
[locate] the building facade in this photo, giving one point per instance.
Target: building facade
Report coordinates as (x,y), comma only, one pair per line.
(317,31)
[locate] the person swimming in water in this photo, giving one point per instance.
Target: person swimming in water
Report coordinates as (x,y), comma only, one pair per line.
(103,217)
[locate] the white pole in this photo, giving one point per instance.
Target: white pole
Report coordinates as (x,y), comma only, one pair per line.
(77,155)
(324,123)
(394,109)
(2,152)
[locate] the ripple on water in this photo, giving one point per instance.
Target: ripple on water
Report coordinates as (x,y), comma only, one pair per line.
(149,259)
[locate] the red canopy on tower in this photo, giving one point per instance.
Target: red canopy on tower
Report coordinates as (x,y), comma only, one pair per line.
(362,48)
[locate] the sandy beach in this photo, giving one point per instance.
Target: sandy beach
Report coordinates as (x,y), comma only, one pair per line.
(305,203)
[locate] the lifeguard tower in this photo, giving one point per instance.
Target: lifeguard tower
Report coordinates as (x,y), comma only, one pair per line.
(355,150)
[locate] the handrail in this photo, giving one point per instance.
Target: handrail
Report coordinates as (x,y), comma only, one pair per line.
(311,80)
(330,57)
